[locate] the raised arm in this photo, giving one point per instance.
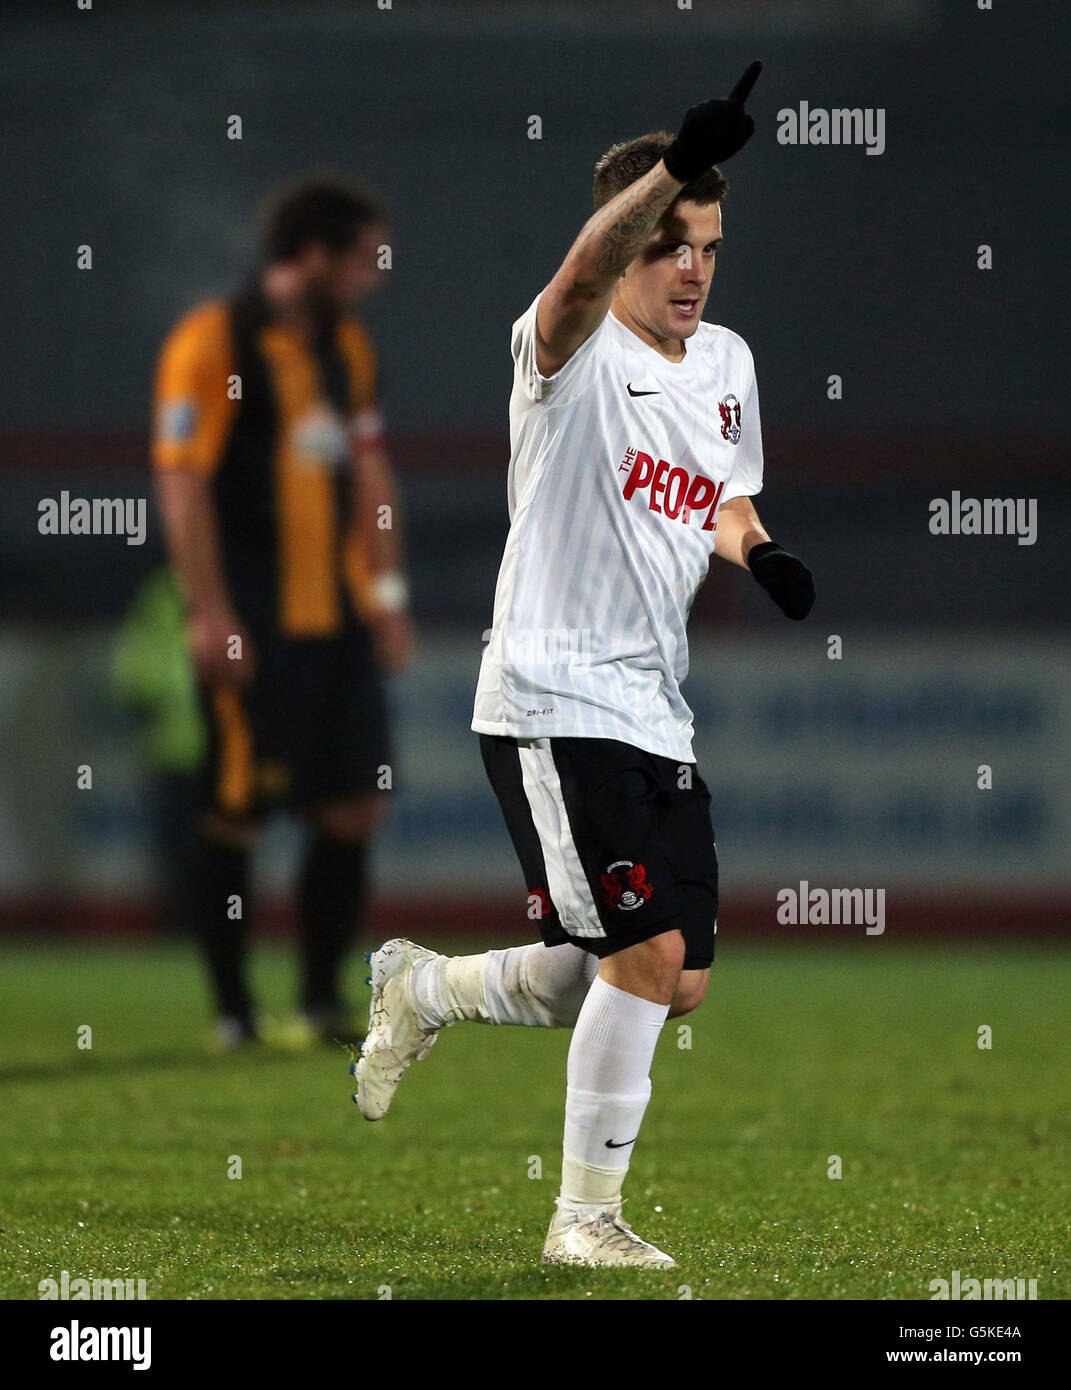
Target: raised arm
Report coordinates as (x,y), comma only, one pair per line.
(577,299)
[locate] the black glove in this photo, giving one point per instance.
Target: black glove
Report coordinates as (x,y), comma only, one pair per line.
(787,580)
(712,131)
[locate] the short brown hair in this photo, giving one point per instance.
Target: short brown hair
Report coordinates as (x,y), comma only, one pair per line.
(320,209)
(628,161)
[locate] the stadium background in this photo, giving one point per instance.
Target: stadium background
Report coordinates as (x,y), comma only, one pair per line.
(859,772)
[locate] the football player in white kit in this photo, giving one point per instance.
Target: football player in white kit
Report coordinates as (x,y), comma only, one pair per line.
(636,451)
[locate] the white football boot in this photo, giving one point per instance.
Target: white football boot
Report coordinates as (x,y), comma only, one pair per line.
(396,1038)
(596,1237)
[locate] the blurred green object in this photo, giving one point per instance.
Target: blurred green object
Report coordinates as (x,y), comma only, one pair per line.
(152,674)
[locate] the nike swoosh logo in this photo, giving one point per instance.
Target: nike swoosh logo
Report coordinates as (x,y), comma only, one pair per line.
(641,393)
(610,1143)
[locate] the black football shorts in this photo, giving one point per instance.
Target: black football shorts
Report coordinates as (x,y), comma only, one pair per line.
(310,729)
(616,844)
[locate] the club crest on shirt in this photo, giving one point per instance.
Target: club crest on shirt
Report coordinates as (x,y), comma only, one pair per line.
(319,438)
(730,418)
(625,886)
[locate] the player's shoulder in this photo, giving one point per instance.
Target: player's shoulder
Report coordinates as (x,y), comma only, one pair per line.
(526,320)
(525,324)
(204,328)
(717,342)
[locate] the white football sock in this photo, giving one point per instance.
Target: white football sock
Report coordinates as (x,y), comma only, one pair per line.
(449,989)
(591,1190)
(607,1091)
(535,986)
(538,986)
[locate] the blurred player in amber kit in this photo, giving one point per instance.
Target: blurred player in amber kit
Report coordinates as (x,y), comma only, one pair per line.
(282,524)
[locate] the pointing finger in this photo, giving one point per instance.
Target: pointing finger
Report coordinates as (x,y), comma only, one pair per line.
(742,90)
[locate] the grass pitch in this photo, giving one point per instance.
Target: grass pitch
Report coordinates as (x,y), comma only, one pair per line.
(114,1161)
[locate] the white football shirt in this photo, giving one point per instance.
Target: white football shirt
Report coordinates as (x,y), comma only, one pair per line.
(619,463)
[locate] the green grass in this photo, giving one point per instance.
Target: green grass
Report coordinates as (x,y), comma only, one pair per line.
(113,1162)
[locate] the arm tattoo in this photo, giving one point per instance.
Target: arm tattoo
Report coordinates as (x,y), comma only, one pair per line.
(618,232)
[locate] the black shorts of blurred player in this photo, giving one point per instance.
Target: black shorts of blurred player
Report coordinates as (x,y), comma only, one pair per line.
(309,734)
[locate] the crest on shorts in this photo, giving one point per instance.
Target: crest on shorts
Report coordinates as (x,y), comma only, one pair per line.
(730,418)
(625,886)
(539,904)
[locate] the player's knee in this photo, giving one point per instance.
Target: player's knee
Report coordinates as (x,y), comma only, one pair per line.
(690,994)
(563,1008)
(650,968)
(563,1012)
(665,953)
(558,982)
(354,819)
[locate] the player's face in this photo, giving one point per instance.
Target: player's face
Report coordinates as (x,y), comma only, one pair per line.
(345,277)
(666,286)
(357,271)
